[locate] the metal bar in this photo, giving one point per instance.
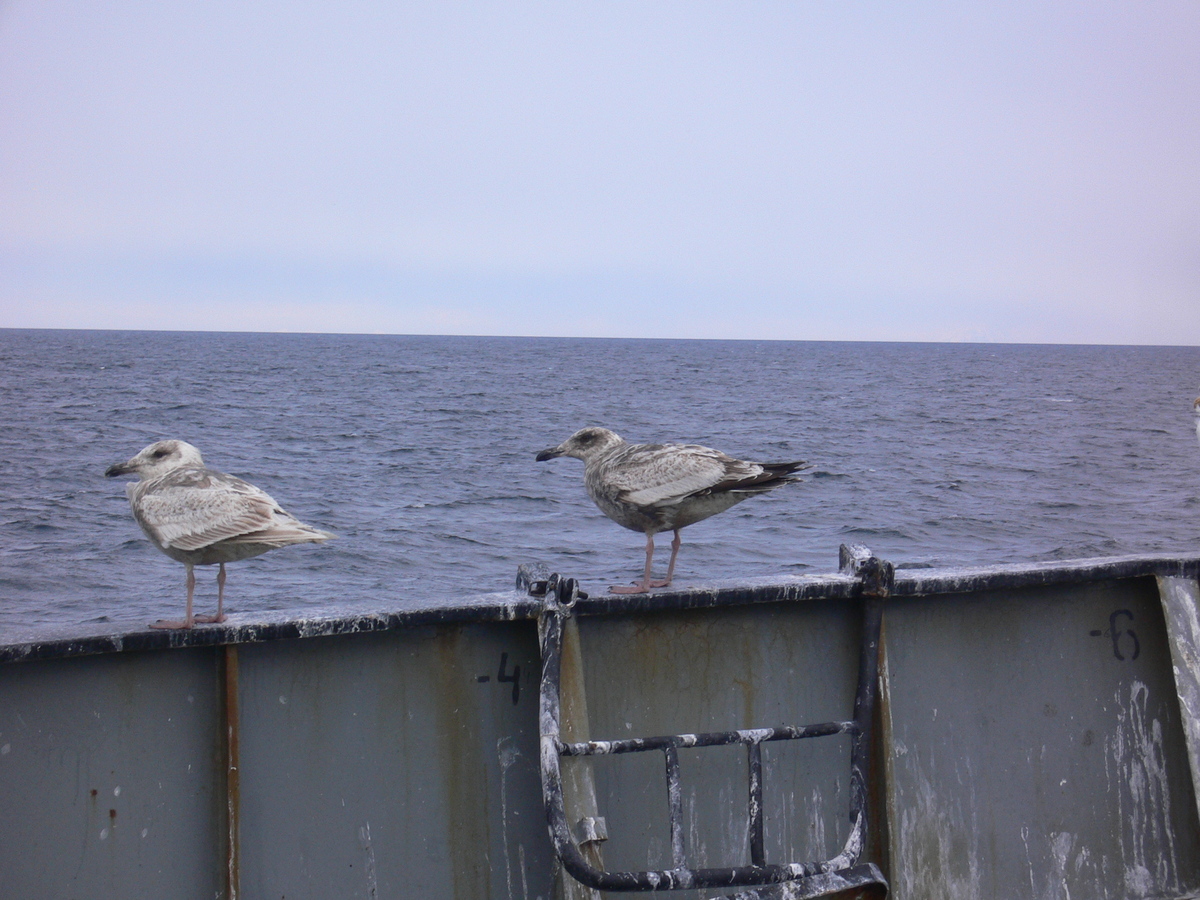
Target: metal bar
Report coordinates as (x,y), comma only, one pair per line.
(1181,611)
(579,787)
(708,739)
(233,780)
(864,705)
(757,854)
(675,803)
(866,880)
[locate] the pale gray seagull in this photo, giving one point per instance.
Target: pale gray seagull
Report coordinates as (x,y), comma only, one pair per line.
(664,487)
(199,516)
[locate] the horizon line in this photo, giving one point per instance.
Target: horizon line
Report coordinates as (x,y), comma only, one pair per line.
(561,337)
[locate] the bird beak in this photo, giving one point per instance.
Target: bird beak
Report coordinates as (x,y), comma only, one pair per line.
(549,453)
(117,469)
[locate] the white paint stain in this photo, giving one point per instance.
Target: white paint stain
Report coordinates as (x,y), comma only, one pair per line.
(364,840)
(938,841)
(1028,858)
(506,749)
(818,846)
(1181,604)
(1147,838)
(1061,844)
(1138,881)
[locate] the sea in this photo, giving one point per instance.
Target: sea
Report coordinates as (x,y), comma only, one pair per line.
(417,452)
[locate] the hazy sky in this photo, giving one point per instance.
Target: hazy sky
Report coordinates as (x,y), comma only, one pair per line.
(1007,171)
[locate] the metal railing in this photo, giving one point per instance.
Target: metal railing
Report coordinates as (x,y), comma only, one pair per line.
(793,881)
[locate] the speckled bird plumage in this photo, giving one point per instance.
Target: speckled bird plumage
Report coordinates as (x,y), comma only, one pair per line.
(664,487)
(199,516)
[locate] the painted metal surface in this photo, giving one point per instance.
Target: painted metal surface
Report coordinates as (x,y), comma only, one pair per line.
(110,777)
(1031,742)
(1037,748)
(386,767)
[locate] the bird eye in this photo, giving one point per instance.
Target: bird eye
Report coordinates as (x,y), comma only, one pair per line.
(160,453)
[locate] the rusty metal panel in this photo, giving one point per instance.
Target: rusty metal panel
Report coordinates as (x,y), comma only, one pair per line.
(1037,749)
(721,669)
(110,777)
(401,764)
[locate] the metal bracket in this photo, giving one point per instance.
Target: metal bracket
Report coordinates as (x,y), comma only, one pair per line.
(790,881)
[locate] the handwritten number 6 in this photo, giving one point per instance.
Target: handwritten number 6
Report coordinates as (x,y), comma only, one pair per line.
(1117,635)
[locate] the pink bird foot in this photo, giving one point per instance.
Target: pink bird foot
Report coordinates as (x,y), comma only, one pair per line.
(165,623)
(629,589)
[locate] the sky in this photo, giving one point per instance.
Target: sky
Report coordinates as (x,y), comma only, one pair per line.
(994,171)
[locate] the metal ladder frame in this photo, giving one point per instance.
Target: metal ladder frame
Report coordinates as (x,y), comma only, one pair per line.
(791,881)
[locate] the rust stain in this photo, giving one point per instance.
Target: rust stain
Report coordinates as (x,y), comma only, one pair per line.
(714,664)
(461,764)
(233,779)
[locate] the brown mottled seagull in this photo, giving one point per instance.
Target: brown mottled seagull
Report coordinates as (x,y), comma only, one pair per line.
(664,487)
(199,516)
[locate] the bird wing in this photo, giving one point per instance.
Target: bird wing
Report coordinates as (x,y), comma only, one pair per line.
(663,475)
(192,508)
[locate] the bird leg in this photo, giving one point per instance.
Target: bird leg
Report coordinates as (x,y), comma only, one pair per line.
(645,584)
(188,619)
(675,545)
(220,616)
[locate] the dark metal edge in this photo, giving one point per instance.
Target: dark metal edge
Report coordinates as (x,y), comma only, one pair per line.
(260,632)
(513,606)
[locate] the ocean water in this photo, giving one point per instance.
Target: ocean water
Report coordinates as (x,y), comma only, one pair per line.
(418,452)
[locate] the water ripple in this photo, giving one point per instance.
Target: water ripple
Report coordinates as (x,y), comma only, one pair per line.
(418,452)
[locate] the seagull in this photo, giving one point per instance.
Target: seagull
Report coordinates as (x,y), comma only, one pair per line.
(199,516)
(664,487)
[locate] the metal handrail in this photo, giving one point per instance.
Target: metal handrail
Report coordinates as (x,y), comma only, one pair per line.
(837,873)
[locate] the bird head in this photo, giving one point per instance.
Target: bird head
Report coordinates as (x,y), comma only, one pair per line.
(586,444)
(157,459)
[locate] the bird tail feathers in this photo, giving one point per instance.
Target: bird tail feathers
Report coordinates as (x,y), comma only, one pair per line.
(283,535)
